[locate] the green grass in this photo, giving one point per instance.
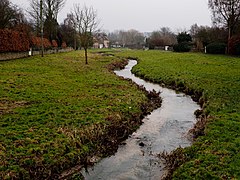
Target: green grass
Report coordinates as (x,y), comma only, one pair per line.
(217,154)
(55,111)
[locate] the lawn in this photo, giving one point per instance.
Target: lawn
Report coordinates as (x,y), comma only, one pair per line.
(216,80)
(56,112)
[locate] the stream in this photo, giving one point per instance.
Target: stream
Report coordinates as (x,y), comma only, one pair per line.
(165,129)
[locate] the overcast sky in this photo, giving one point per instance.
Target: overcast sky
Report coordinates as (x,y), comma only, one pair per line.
(142,15)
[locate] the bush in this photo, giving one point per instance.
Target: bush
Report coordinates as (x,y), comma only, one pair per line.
(64,45)
(216,48)
(182,47)
(36,43)
(13,41)
(183,37)
(54,44)
(234,45)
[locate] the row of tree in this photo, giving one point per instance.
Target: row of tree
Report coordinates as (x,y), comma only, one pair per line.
(80,25)
(16,21)
(135,39)
(226,30)
(131,38)
(50,10)
(197,36)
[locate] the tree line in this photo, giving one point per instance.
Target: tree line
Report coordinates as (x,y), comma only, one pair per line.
(41,19)
(81,24)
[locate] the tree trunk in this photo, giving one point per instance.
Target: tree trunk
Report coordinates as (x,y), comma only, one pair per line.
(75,41)
(86,56)
(230,32)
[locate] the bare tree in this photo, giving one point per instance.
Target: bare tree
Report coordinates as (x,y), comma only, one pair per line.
(34,15)
(10,15)
(68,29)
(162,37)
(123,37)
(86,24)
(131,38)
(51,10)
(6,13)
(226,12)
(204,35)
(134,39)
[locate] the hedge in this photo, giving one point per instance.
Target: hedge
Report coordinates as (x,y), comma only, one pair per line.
(216,48)
(54,44)
(13,41)
(64,45)
(182,47)
(36,43)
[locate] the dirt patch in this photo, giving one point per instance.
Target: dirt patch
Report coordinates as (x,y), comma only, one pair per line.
(7,106)
(120,64)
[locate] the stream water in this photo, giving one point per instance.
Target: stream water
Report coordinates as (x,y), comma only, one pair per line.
(165,129)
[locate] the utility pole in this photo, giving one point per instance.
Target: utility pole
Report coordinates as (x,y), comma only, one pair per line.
(41,24)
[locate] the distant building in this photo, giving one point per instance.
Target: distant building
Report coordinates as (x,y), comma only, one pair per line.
(116,45)
(100,40)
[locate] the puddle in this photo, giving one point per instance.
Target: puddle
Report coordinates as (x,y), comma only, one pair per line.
(165,129)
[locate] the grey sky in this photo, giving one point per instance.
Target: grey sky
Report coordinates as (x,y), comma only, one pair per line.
(142,15)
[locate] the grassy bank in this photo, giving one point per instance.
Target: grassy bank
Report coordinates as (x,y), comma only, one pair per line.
(56,112)
(215,80)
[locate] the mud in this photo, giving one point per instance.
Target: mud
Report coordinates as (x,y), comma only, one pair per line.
(164,130)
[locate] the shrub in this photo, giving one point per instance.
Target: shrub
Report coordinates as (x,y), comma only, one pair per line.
(36,43)
(64,45)
(13,41)
(183,37)
(54,44)
(182,47)
(234,45)
(46,43)
(216,48)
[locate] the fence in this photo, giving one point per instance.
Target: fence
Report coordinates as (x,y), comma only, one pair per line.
(16,55)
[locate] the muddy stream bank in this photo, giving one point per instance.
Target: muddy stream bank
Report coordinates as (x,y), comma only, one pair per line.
(165,129)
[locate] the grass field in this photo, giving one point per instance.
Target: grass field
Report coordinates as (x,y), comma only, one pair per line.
(56,112)
(216,155)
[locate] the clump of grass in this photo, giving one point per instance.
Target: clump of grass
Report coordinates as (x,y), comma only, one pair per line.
(199,127)
(172,161)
